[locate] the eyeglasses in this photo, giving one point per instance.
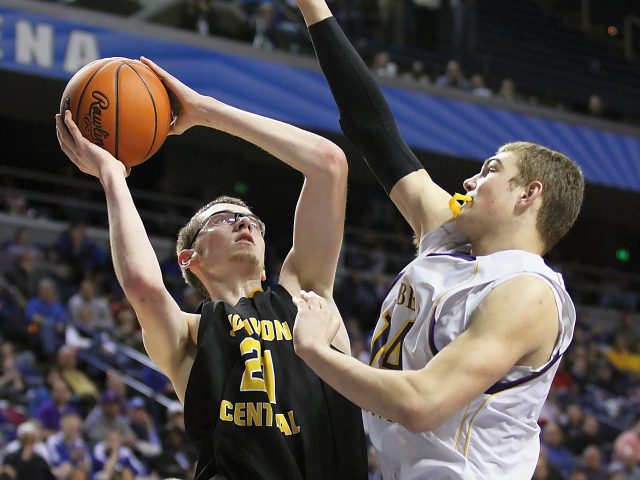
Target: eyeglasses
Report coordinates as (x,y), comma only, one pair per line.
(227,217)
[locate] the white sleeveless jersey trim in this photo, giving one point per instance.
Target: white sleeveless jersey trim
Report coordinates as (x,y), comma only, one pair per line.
(496,435)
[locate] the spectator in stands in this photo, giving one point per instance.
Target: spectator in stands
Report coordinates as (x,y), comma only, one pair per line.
(50,412)
(27,462)
(12,384)
(106,418)
(543,470)
(620,354)
(83,333)
(453,77)
(88,297)
(11,304)
(24,277)
(16,204)
(626,464)
(383,66)
(263,22)
(572,427)
(68,453)
(175,423)
(392,20)
(111,456)
(590,434)
(79,252)
(174,461)
(147,444)
(20,244)
(196,16)
(79,382)
(478,87)
(592,463)
(115,383)
(605,377)
(127,330)
(595,106)
(578,474)
(46,318)
(628,441)
(557,454)
(416,74)
(508,91)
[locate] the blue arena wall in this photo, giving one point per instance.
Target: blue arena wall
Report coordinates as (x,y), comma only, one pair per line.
(54,41)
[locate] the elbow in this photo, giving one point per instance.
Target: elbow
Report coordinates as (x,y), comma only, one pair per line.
(419,416)
(141,290)
(333,162)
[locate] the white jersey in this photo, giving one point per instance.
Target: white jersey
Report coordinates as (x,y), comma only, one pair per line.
(495,436)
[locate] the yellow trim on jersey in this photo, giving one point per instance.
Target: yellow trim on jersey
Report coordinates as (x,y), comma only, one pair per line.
(473,417)
(464,417)
(399,345)
(254,291)
(386,318)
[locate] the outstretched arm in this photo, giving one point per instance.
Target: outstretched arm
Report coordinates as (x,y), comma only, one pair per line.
(319,218)
(367,121)
(165,326)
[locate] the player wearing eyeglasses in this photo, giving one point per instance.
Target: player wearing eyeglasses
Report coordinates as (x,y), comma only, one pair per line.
(258,411)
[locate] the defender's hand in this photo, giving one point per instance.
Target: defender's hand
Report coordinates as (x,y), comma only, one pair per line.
(184,100)
(316,325)
(89,158)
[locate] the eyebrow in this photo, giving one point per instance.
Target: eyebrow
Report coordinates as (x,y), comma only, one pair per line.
(492,159)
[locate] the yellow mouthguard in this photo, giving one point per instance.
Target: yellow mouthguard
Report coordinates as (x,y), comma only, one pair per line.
(454,206)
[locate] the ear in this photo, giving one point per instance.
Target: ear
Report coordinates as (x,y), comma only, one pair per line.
(531,193)
(188,258)
(263,276)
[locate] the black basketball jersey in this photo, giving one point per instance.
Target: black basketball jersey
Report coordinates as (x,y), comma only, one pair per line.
(256,408)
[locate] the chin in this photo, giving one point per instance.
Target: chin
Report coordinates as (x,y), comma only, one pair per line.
(245,258)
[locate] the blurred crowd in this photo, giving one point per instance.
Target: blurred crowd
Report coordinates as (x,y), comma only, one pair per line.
(396,37)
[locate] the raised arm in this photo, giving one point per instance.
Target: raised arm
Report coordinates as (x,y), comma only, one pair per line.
(367,121)
(319,219)
(165,327)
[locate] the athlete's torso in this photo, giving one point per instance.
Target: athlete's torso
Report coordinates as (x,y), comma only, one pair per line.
(431,303)
(258,410)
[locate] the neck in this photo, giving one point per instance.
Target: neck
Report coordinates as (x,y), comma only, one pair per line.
(521,239)
(231,292)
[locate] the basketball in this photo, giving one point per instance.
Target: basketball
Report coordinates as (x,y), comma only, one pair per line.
(120,105)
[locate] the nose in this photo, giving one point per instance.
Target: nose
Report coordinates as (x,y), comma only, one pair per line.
(469,184)
(244,222)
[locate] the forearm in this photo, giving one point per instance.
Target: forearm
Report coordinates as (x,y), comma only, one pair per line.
(398,396)
(365,116)
(134,259)
(305,151)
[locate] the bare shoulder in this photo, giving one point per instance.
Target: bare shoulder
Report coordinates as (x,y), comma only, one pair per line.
(523,313)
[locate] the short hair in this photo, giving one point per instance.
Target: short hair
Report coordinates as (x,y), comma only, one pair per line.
(563,187)
(187,234)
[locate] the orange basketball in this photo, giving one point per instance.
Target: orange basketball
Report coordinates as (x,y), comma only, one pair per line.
(120,105)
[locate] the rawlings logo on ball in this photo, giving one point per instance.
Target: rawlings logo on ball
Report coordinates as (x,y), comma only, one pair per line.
(92,121)
(120,105)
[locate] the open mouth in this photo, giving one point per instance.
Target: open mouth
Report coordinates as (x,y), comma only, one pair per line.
(245,237)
